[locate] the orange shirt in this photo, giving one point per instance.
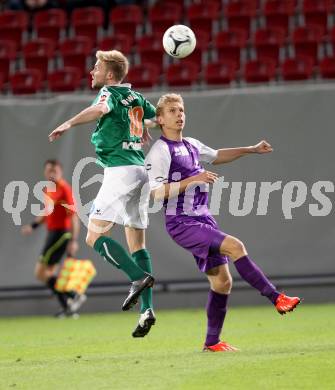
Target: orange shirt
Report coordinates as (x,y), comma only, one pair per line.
(61,217)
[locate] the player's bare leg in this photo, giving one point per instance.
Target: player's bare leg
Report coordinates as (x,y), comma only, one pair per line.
(220,281)
(251,273)
(136,243)
(116,255)
(44,272)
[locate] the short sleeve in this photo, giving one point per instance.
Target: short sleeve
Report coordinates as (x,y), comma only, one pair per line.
(68,198)
(157,164)
(149,110)
(207,154)
(105,98)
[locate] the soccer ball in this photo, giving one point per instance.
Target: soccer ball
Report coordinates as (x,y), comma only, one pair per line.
(179,41)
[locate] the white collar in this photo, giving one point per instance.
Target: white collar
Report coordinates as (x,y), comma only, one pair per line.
(125,85)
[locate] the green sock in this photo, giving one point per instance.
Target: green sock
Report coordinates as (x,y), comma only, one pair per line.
(115,254)
(142,259)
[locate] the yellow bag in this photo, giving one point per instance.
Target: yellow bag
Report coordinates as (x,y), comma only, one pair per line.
(75,275)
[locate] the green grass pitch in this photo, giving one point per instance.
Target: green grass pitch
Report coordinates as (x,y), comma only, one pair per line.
(96,352)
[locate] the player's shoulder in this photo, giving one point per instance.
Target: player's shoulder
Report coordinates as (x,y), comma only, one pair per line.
(103,94)
(195,142)
(140,98)
(159,147)
(104,90)
(65,185)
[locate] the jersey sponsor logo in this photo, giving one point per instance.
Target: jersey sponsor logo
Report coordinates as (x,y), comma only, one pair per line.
(103,97)
(181,151)
(131,145)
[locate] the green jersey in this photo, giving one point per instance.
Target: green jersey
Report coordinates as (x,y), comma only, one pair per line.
(117,137)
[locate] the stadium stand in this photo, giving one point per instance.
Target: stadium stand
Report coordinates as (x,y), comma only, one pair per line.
(237,42)
(37,54)
(64,80)
(13,26)
(87,22)
(26,81)
(50,24)
(7,56)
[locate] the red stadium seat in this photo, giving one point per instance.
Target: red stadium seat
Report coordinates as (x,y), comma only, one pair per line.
(299,68)
(260,71)
(316,13)
(178,2)
(201,17)
(26,81)
(218,3)
(327,68)
(50,23)
(150,49)
(229,44)
(1,82)
(306,41)
(239,15)
(278,12)
(75,51)
(182,74)
(144,76)
(7,54)
(164,15)
(223,72)
(268,41)
(126,19)
(86,21)
(201,48)
(37,54)
(12,25)
(121,42)
(64,80)
(332,37)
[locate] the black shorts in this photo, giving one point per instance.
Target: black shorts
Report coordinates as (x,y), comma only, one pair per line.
(55,246)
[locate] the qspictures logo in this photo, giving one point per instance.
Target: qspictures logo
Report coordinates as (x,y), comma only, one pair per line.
(244,198)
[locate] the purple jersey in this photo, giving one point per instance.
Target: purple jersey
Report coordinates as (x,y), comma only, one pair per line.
(188,221)
(172,161)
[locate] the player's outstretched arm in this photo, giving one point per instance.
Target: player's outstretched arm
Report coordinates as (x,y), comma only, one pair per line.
(88,115)
(73,246)
(28,229)
(171,190)
(231,154)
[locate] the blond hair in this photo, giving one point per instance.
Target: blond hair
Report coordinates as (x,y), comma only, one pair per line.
(168,98)
(116,62)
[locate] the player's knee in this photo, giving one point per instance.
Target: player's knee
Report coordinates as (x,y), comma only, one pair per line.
(235,248)
(90,239)
(222,285)
(40,273)
(227,285)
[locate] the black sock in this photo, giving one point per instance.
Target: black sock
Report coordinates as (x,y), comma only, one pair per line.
(60,296)
(70,294)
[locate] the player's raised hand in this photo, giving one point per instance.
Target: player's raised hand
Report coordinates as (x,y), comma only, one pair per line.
(263,147)
(59,131)
(206,177)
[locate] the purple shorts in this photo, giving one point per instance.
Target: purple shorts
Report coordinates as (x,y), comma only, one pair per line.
(201,236)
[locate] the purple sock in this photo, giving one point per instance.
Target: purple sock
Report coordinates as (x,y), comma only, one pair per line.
(216,311)
(252,274)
